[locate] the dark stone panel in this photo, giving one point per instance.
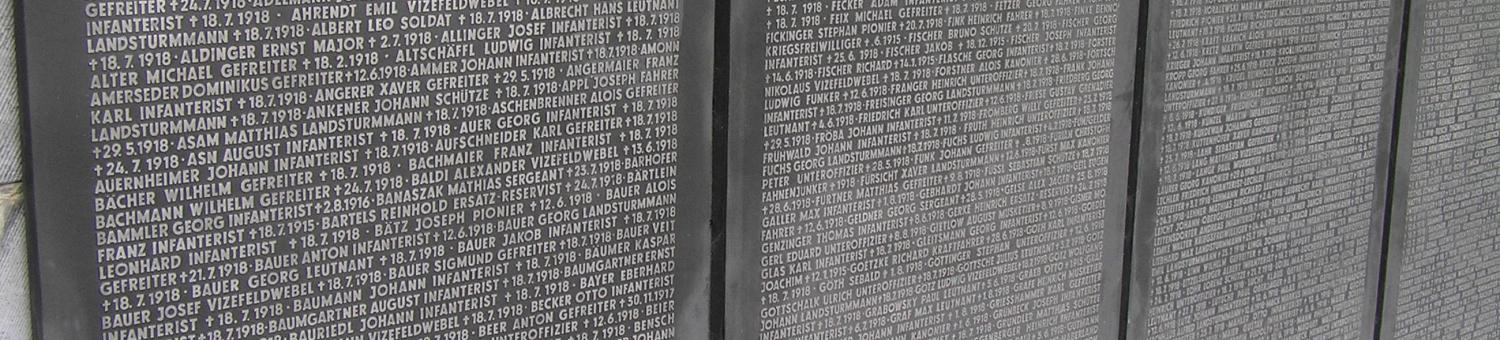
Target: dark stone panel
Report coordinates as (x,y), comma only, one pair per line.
(376,169)
(923,169)
(1264,168)
(1445,249)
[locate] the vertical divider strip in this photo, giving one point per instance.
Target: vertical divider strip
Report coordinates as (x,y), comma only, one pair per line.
(720,140)
(1146,151)
(1121,327)
(1143,20)
(1387,170)
(1393,232)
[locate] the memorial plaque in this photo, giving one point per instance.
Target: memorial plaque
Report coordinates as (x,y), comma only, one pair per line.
(1262,213)
(1443,254)
(927,169)
(312,169)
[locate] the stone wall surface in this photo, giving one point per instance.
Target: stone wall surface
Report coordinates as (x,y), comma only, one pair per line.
(1269,196)
(768,169)
(1446,246)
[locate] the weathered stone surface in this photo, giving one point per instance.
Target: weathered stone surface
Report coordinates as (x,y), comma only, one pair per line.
(1444,233)
(926,169)
(1266,181)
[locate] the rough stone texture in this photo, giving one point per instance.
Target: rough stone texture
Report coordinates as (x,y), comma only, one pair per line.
(15,312)
(10,108)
